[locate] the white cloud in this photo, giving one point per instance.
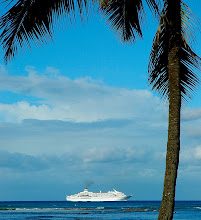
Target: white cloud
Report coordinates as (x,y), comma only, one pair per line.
(113,154)
(22,110)
(187,155)
(198,152)
(190,154)
(79,100)
(51,70)
(148,172)
(192,129)
(191,114)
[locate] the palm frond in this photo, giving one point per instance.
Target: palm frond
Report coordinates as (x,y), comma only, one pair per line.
(190,23)
(32,21)
(189,61)
(125,17)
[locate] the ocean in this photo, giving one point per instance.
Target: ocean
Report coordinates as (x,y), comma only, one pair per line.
(59,210)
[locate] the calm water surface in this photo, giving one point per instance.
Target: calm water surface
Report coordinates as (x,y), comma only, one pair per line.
(94,210)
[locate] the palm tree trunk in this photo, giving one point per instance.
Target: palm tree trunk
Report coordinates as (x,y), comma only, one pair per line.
(173,144)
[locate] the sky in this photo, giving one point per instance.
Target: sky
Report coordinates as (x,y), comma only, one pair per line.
(78,112)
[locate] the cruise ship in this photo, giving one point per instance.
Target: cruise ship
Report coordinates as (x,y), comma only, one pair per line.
(87,196)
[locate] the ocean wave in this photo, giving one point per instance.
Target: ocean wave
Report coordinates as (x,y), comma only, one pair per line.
(84,209)
(198,207)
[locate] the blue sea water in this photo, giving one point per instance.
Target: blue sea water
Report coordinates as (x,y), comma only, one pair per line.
(94,210)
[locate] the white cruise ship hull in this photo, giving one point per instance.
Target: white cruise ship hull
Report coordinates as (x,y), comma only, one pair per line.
(87,196)
(98,199)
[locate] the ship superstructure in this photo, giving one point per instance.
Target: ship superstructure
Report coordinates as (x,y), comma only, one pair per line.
(86,196)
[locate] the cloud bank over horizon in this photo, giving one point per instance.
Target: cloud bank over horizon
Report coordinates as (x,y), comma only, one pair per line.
(53,127)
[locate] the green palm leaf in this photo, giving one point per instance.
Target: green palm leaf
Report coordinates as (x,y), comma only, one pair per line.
(33,20)
(125,17)
(189,61)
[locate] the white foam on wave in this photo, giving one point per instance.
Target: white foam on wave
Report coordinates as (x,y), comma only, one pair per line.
(20,209)
(100,207)
(31,209)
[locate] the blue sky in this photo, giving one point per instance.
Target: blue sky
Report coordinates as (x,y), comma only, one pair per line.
(79,110)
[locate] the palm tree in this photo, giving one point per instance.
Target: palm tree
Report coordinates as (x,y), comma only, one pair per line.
(173,73)
(173,66)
